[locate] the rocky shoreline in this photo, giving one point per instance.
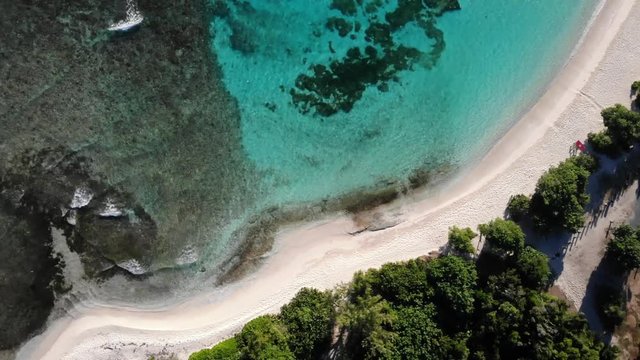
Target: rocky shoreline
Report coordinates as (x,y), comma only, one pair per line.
(101,132)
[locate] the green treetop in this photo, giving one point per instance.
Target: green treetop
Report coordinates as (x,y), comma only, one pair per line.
(625,248)
(505,236)
(264,338)
(460,240)
(560,195)
(309,317)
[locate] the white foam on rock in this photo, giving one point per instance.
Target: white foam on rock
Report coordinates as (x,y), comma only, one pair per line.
(133,266)
(72,217)
(187,256)
(81,198)
(133,18)
(110,210)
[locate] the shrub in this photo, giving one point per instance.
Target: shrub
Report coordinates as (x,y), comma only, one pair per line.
(518,207)
(503,235)
(309,319)
(624,248)
(460,240)
(560,195)
(612,306)
(533,267)
(226,350)
(603,143)
(264,338)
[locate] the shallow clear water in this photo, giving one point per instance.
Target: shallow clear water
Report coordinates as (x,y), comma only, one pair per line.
(283,112)
(498,57)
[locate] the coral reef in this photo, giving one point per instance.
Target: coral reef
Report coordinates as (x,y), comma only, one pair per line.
(339,85)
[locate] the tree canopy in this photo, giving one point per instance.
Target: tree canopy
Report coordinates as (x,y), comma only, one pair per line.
(603,143)
(309,318)
(264,338)
(503,235)
(460,240)
(624,248)
(533,268)
(623,125)
(426,309)
(560,195)
(518,207)
(226,350)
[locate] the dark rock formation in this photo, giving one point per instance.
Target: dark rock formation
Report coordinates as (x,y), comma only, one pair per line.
(139,121)
(27,273)
(337,86)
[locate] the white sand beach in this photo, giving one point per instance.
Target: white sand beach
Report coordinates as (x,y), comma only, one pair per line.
(323,254)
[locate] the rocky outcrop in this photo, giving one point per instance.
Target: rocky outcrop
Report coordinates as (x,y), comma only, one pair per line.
(27,274)
(101,223)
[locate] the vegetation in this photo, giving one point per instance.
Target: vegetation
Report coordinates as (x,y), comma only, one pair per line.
(518,207)
(623,125)
(309,317)
(503,236)
(635,87)
(443,308)
(603,143)
(622,129)
(612,306)
(560,195)
(264,338)
(533,268)
(624,248)
(226,350)
(460,240)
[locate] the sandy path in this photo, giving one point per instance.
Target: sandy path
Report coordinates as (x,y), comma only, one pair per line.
(323,254)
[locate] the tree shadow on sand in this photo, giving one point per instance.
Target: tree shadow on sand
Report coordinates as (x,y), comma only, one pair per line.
(605,283)
(614,179)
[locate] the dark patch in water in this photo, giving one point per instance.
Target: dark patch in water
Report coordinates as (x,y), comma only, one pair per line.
(335,87)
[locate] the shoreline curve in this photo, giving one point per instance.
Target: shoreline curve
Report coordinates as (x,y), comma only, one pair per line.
(322,254)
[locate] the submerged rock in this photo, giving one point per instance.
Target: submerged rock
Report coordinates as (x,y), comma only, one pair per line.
(93,220)
(340,84)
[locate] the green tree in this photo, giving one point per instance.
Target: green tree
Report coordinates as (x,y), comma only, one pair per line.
(264,338)
(612,305)
(623,125)
(453,281)
(560,195)
(309,319)
(400,283)
(603,143)
(505,236)
(635,87)
(518,207)
(420,338)
(533,267)
(460,240)
(624,248)
(369,320)
(514,322)
(226,350)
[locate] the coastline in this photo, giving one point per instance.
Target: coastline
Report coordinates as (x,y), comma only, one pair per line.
(322,253)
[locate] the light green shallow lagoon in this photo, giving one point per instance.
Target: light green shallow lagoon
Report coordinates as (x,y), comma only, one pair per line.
(499,56)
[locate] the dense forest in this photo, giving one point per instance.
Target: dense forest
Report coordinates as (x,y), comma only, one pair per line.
(454,306)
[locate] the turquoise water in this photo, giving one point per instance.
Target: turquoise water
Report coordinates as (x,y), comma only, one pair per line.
(498,57)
